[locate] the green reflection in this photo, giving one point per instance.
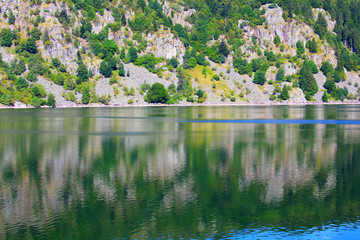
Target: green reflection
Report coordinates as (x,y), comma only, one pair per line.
(137,172)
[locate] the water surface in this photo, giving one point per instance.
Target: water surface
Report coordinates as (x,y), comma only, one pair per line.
(180,172)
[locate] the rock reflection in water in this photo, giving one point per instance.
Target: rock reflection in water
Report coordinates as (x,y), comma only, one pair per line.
(151,173)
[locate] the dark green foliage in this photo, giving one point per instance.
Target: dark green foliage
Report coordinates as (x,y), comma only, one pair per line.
(32,76)
(223,49)
(132,54)
(82,72)
(35,33)
(259,77)
(313,67)
(36,64)
(320,27)
(280,74)
(11,19)
(85,95)
(270,56)
(200,93)
(6,37)
(30,46)
(330,86)
(201,59)
(325,97)
(337,77)
(122,53)
(21,83)
(17,67)
(105,69)
(327,68)
(157,94)
(50,100)
(277,41)
(174,62)
(284,95)
(311,45)
(121,70)
(307,81)
(85,28)
(62,17)
(111,46)
(240,65)
(112,62)
(56,62)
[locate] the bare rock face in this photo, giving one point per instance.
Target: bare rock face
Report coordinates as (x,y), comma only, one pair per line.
(289,32)
(102,20)
(164,44)
(179,15)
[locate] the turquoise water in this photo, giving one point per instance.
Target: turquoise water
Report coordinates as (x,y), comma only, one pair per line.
(232,172)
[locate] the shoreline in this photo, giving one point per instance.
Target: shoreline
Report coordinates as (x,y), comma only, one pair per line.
(181,105)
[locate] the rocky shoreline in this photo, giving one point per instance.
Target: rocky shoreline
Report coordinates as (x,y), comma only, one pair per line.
(24,106)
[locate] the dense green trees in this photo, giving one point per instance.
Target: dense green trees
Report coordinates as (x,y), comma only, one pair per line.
(105,69)
(82,72)
(327,68)
(259,77)
(50,100)
(6,37)
(307,81)
(157,94)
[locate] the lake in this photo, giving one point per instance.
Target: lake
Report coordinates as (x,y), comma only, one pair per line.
(263,172)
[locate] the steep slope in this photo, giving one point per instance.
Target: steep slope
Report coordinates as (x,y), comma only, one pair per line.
(111,53)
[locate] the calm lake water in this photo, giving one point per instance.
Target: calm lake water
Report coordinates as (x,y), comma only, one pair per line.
(180,172)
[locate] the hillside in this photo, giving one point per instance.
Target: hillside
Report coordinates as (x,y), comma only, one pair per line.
(75,52)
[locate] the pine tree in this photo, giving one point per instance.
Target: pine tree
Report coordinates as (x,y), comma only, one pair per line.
(50,100)
(85,95)
(284,95)
(320,27)
(307,81)
(82,72)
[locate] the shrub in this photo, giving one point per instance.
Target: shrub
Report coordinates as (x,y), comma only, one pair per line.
(284,95)
(325,97)
(50,100)
(280,74)
(216,77)
(157,94)
(327,68)
(21,83)
(313,67)
(259,78)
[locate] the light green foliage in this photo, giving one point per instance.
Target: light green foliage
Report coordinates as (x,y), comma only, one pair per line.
(300,49)
(85,95)
(50,100)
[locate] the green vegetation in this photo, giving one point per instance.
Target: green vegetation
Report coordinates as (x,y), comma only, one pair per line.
(307,81)
(157,94)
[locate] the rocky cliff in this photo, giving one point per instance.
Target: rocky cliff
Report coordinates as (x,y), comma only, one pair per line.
(65,44)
